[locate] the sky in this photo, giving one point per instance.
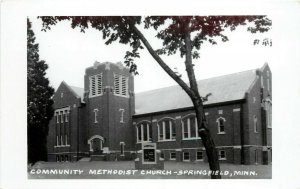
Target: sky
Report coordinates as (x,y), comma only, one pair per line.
(68,52)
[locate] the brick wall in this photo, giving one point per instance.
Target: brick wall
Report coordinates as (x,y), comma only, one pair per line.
(65,98)
(228,141)
(259,91)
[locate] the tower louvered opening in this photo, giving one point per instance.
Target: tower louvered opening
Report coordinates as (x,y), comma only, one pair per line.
(120,85)
(117,84)
(95,85)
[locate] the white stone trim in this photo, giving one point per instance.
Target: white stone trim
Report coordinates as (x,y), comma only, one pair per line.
(93,137)
(237,110)
(198,138)
(144,120)
(200,148)
(122,110)
(96,115)
(166,140)
(237,147)
(107,65)
(62,146)
(166,118)
(190,114)
(62,109)
(58,153)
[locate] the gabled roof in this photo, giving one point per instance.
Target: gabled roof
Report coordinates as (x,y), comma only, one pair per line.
(77,91)
(223,88)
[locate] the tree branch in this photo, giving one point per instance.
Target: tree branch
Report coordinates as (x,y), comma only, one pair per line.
(189,65)
(162,64)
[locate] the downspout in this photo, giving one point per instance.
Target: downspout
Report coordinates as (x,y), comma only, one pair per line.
(88,121)
(242,134)
(108,118)
(78,127)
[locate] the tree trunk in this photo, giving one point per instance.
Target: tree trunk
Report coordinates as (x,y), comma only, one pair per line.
(207,141)
(203,131)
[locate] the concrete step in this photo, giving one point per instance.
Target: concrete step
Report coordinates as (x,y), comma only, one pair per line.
(98,157)
(85,159)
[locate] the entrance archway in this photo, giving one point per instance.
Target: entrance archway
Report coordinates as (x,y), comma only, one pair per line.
(96,144)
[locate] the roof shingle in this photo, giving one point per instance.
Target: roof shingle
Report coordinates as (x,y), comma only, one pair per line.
(223,88)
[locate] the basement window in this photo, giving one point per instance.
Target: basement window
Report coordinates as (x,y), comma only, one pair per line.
(222,155)
(186,156)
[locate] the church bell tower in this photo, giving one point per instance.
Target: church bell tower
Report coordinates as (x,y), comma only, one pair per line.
(109,97)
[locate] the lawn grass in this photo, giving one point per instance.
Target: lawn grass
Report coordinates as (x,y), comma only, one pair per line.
(172,170)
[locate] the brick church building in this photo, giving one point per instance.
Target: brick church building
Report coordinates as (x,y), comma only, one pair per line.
(107,121)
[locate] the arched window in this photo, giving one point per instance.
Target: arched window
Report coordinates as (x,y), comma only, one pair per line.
(166,130)
(221,125)
(144,132)
(268,81)
(268,108)
(190,127)
(255,124)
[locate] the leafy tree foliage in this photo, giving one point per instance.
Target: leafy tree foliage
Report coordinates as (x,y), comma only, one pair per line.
(182,34)
(39,101)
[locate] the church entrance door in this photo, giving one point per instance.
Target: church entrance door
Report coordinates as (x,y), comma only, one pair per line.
(96,144)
